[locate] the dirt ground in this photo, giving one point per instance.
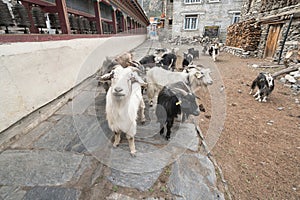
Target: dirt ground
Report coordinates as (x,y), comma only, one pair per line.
(258,150)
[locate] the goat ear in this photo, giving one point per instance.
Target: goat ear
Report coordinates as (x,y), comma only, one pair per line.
(198,75)
(136,78)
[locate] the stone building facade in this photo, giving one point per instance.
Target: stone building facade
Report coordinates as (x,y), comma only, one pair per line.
(188,18)
(279,21)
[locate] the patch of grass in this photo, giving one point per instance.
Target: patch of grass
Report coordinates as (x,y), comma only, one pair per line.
(168,171)
(163,189)
(151,190)
(115,188)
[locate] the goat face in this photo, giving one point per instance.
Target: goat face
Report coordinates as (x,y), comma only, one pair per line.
(265,84)
(270,80)
(121,81)
(200,77)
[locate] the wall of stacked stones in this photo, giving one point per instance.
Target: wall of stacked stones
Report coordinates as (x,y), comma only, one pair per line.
(292,40)
(261,8)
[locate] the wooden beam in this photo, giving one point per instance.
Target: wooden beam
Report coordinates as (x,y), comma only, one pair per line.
(63,16)
(98,17)
(32,28)
(114,18)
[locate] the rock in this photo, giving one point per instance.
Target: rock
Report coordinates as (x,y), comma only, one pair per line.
(32,167)
(52,193)
(282,80)
(11,193)
(116,196)
(290,78)
(193,177)
(255,65)
(297,75)
(297,101)
(280,108)
(142,181)
(239,91)
(270,122)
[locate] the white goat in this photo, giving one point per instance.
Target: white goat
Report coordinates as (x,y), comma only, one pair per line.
(157,78)
(123,100)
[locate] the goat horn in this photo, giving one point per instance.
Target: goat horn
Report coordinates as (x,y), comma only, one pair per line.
(107,76)
(135,63)
(179,90)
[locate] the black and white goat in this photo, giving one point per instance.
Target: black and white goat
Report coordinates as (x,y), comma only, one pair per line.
(265,84)
(175,99)
(187,60)
(168,61)
(214,51)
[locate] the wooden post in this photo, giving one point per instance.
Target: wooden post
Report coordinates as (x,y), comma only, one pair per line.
(114,18)
(32,28)
(61,7)
(98,17)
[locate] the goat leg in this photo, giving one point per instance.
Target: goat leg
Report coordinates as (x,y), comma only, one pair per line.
(162,129)
(142,111)
(169,126)
(117,139)
(131,145)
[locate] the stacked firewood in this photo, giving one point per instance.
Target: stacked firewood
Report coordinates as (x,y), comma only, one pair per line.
(245,35)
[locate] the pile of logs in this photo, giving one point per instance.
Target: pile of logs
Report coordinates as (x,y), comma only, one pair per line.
(245,35)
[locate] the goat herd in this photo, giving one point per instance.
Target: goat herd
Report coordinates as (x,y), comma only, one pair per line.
(125,81)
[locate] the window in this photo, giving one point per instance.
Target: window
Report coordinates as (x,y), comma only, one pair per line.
(236,17)
(211,31)
(191,22)
(192,1)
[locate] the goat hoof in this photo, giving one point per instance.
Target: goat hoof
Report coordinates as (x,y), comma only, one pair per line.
(133,154)
(115,145)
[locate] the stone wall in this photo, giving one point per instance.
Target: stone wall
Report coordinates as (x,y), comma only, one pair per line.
(267,13)
(33,74)
(209,14)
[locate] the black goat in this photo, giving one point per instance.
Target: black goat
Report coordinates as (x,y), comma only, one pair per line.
(194,52)
(172,100)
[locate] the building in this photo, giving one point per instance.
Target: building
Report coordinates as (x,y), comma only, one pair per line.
(73,16)
(188,18)
(277,29)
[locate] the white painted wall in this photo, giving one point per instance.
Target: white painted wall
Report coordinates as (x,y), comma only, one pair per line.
(34,73)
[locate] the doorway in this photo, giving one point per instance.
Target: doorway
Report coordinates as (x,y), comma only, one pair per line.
(272,40)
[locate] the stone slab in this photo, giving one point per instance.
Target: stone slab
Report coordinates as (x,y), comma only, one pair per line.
(59,136)
(52,193)
(11,193)
(34,134)
(193,177)
(31,168)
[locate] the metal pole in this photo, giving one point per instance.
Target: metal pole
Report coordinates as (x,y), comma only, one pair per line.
(285,37)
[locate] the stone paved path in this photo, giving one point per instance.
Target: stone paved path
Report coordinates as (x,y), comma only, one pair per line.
(65,156)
